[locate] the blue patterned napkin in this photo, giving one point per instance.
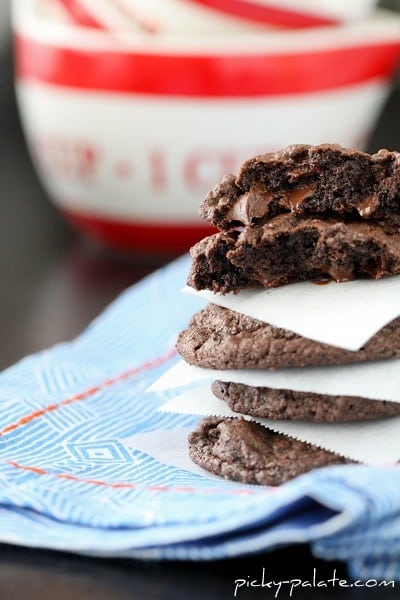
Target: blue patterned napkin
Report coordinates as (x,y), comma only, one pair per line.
(72,479)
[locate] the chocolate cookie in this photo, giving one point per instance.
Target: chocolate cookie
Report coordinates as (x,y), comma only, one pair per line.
(324,180)
(248,452)
(289,249)
(211,269)
(301,406)
(220,338)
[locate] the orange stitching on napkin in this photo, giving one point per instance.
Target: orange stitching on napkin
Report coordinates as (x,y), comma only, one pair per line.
(133,486)
(89,392)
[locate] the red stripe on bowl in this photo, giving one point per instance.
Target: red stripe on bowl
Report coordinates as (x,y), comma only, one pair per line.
(267,15)
(155,239)
(204,75)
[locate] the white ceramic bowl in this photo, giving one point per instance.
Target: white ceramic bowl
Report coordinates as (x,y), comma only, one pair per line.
(129,132)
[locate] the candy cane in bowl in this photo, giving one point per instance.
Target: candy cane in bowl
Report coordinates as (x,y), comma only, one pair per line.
(106,15)
(153,16)
(209,16)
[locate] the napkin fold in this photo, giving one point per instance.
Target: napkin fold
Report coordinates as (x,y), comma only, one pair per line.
(77,475)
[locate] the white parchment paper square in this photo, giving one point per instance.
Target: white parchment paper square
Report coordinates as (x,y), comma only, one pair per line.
(374,380)
(346,315)
(372,442)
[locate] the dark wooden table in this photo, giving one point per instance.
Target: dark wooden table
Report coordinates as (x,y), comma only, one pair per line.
(52,285)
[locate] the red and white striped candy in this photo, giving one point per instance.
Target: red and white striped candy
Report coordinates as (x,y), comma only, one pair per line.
(291,13)
(156,16)
(211,16)
(106,15)
(219,16)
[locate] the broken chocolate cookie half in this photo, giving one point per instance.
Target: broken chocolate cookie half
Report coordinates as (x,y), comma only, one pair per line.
(325,181)
(306,212)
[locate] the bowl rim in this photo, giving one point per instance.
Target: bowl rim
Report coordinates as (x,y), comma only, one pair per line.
(381,28)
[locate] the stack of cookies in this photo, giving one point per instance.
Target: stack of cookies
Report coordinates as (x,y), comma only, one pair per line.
(318,213)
